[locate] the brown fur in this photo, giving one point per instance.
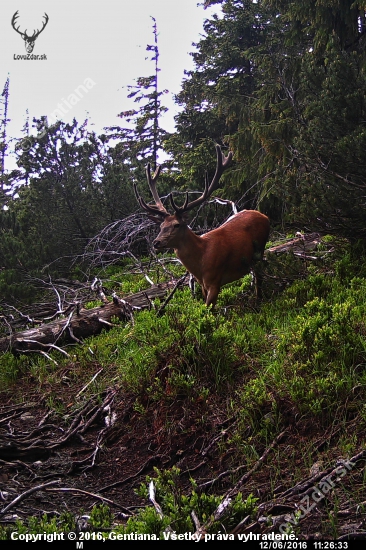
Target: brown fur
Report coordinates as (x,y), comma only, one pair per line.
(222,255)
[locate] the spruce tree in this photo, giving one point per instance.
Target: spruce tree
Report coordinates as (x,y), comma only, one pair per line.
(143,138)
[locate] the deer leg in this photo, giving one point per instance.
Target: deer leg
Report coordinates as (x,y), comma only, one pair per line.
(258,280)
(212,295)
(192,285)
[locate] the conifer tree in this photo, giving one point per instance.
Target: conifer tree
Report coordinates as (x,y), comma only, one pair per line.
(284,84)
(143,138)
(4,102)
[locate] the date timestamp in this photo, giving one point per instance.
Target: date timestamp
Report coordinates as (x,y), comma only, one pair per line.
(283,545)
(330,545)
(303,545)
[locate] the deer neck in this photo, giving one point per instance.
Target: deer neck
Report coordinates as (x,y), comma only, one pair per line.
(190,252)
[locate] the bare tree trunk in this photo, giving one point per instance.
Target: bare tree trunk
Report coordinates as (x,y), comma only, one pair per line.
(81,323)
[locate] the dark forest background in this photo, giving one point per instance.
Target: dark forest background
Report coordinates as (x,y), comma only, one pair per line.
(281,84)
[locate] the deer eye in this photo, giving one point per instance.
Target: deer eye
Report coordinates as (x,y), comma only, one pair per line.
(176,225)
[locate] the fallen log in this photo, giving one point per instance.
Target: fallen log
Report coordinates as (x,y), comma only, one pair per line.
(299,246)
(81,323)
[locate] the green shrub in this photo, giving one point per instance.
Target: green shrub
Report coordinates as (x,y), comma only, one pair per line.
(177,507)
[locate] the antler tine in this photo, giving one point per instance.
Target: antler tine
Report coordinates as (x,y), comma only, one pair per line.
(13,21)
(157,210)
(151,180)
(179,209)
(24,34)
(43,26)
(221,165)
(151,208)
(186,207)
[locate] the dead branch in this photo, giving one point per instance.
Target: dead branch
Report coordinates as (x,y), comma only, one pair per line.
(92,495)
(179,283)
(88,384)
(80,323)
(105,403)
(157,506)
(298,246)
(116,240)
(195,520)
(150,461)
(97,287)
(27,494)
(246,476)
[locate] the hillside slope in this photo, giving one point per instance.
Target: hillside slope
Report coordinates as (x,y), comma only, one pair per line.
(252,402)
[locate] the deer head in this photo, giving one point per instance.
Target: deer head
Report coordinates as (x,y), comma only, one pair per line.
(28,40)
(172,225)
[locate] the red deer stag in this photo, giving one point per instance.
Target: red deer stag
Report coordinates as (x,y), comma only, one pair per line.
(222,255)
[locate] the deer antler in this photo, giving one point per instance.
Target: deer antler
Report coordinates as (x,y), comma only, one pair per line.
(158,210)
(222,163)
(152,184)
(13,21)
(24,34)
(34,36)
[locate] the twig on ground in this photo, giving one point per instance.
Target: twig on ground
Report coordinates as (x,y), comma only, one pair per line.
(245,477)
(226,500)
(27,494)
(157,506)
(129,478)
(88,384)
(93,495)
(166,302)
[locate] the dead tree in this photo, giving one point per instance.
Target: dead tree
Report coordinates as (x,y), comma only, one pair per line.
(80,323)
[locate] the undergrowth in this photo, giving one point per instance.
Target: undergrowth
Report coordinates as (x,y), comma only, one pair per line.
(305,347)
(301,354)
(173,518)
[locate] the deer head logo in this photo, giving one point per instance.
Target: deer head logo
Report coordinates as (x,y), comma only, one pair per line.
(28,40)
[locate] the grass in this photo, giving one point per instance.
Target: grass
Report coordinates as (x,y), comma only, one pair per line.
(298,359)
(306,346)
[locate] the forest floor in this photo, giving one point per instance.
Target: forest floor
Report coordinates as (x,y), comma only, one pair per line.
(102,449)
(90,429)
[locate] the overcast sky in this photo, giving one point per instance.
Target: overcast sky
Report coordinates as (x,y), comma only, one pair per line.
(101,43)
